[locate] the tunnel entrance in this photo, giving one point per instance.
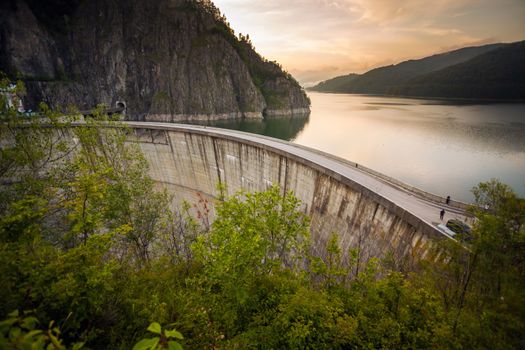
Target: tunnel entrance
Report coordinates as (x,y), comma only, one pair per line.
(120,105)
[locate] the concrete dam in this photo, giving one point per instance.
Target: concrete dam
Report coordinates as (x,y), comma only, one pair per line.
(368,210)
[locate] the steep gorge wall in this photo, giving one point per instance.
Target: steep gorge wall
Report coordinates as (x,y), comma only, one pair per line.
(167,59)
(191,164)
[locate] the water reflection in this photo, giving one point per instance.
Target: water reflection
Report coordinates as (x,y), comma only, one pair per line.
(441,148)
(284,128)
(471,135)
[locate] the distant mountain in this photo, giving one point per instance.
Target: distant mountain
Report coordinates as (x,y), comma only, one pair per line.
(498,74)
(465,65)
(335,84)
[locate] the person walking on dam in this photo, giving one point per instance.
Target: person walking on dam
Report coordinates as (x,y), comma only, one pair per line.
(442,214)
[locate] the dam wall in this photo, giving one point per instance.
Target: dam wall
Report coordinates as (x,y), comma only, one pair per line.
(190,162)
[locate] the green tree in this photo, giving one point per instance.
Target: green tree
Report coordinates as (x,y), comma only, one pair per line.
(79,219)
(481,278)
(254,237)
(255,234)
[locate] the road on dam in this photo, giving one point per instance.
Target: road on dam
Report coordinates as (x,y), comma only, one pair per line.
(423,207)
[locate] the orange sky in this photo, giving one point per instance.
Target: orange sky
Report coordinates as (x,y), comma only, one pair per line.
(319,39)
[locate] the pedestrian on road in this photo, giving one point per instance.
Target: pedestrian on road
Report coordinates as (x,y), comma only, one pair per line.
(442,214)
(448,200)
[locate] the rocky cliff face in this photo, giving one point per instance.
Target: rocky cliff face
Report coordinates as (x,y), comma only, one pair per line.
(166,59)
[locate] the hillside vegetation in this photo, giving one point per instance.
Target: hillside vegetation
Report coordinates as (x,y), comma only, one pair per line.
(91,253)
(336,84)
(497,74)
(485,72)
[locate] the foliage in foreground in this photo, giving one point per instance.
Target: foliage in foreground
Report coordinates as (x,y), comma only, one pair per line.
(87,243)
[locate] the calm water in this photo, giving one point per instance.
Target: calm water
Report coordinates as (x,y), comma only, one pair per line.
(440,147)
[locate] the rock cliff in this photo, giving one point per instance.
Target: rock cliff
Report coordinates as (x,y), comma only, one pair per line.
(166,60)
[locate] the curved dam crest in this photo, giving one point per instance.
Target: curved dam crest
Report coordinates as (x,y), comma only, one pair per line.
(367,211)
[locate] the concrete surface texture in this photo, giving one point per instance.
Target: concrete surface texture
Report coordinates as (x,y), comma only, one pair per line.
(364,208)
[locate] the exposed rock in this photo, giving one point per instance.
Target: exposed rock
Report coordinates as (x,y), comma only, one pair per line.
(167,59)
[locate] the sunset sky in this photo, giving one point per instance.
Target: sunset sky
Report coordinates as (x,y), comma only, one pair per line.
(319,39)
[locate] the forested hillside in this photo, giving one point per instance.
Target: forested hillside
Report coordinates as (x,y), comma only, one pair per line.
(498,74)
(380,80)
(336,84)
(485,72)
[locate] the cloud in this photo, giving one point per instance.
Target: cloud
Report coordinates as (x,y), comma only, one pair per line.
(387,11)
(317,39)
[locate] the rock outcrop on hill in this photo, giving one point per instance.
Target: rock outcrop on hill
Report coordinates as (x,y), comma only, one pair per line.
(166,60)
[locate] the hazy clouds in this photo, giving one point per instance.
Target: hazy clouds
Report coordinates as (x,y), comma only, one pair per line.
(319,39)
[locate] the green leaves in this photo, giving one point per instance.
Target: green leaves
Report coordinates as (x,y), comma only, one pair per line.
(173,334)
(155,328)
(18,332)
(147,344)
(161,342)
(29,322)
(173,345)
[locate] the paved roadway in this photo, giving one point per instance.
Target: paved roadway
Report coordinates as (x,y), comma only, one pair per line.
(424,209)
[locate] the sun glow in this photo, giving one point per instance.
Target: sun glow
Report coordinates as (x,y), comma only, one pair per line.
(319,39)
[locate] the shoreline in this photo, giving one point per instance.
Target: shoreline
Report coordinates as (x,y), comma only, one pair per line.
(269,114)
(444,99)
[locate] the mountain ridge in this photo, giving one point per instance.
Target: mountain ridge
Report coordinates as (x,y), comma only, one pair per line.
(483,76)
(397,79)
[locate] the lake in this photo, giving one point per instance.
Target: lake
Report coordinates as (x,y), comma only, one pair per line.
(442,147)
